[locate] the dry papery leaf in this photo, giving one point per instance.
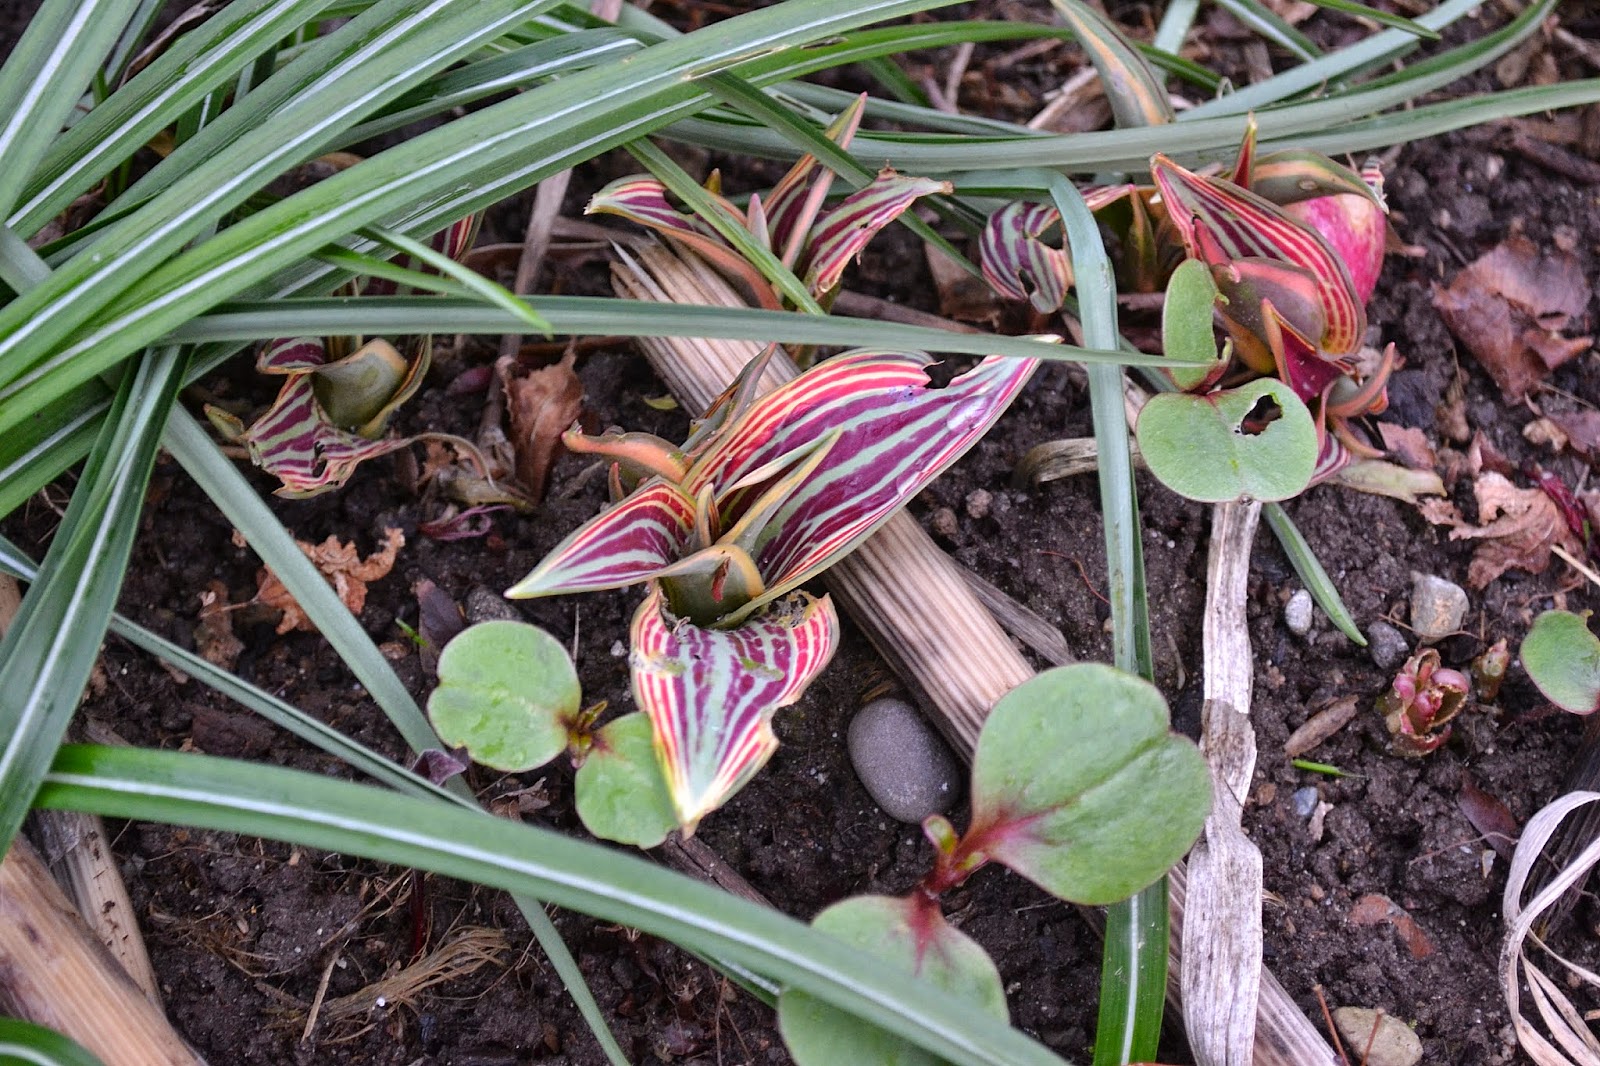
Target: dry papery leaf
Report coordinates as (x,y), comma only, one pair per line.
(344,568)
(1408,444)
(1520,528)
(1375,909)
(1509,307)
(541,405)
(1582,430)
(213,632)
(1574,1044)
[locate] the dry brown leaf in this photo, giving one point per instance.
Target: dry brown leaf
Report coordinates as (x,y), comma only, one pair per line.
(541,405)
(213,632)
(1320,726)
(344,568)
(1582,429)
(1509,306)
(961,296)
(1488,816)
(1408,444)
(1375,909)
(1520,527)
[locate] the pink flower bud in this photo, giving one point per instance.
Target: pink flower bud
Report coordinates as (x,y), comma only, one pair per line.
(1353,226)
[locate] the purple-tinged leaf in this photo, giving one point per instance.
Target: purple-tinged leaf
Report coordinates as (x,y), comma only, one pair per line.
(1079,786)
(295,443)
(469,524)
(895,436)
(624,545)
(910,935)
(792,206)
(711,693)
(1300,365)
(291,355)
(1134,91)
(1294,175)
(1351,399)
(1221,223)
(1018,263)
(1332,456)
(843,232)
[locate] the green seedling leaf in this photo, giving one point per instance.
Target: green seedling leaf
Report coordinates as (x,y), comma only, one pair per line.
(1256,441)
(1563,658)
(908,934)
(507,693)
(1079,786)
(1186,323)
(620,792)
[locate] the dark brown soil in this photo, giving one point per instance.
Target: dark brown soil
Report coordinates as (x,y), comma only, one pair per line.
(242,932)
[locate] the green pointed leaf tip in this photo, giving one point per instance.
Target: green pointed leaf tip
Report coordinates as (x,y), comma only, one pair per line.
(507,693)
(1257,441)
(910,935)
(1186,322)
(1562,657)
(620,792)
(1079,786)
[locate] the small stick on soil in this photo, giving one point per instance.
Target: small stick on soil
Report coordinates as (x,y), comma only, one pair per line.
(54,972)
(1221,973)
(695,858)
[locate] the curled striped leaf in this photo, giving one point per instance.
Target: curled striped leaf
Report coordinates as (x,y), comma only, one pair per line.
(1016,259)
(792,206)
(1222,224)
(711,693)
(630,542)
(843,232)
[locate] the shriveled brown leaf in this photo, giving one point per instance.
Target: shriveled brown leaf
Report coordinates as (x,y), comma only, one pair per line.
(961,296)
(1520,527)
(1509,308)
(1320,726)
(438,621)
(346,571)
(1408,444)
(541,405)
(1488,816)
(1545,433)
(1375,909)
(1582,429)
(213,632)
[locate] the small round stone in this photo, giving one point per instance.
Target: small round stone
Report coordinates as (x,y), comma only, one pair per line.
(903,763)
(1438,607)
(1386,1040)
(1305,800)
(1297,613)
(1387,645)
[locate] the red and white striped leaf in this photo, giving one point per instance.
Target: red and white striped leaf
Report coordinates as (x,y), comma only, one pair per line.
(711,693)
(295,443)
(843,232)
(1216,218)
(1018,263)
(895,435)
(630,542)
(291,355)
(793,204)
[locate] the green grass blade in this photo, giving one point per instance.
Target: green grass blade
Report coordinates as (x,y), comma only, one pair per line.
(26,1044)
(41,450)
(1315,578)
(51,647)
(1176,21)
(1382,18)
(475,284)
(360,820)
(237,499)
(45,75)
(1271,25)
(200,61)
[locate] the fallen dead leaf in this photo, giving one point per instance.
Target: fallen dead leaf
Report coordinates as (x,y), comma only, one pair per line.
(1489,816)
(1509,308)
(213,632)
(1520,527)
(1320,726)
(961,296)
(1408,444)
(541,405)
(438,621)
(344,568)
(1376,909)
(1582,429)
(1544,432)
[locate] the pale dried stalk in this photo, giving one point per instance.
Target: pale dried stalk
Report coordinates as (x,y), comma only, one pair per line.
(1221,969)
(54,972)
(1563,1020)
(75,848)
(908,597)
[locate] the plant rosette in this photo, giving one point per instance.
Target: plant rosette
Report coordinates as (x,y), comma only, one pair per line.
(766,494)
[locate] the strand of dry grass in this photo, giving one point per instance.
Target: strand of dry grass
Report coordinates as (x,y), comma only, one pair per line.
(910,599)
(1221,971)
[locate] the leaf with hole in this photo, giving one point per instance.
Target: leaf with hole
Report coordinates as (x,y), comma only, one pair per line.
(507,693)
(620,791)
(1186,324)
(1562,657)
(1257,441)
(1079,786)
(911,935)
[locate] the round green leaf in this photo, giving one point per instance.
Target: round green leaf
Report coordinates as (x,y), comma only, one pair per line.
(507,692)
(1220,447)
(621,793)
(909,934)
(1186,322)
(1079,786)
(1563,659)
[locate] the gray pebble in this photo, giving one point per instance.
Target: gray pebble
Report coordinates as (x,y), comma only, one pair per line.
(1297,613)
(1305,800)
(1387,645)
(903,763)
(1438,607)
(486,605)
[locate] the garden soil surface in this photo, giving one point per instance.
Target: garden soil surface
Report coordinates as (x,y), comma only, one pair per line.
(243,932)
